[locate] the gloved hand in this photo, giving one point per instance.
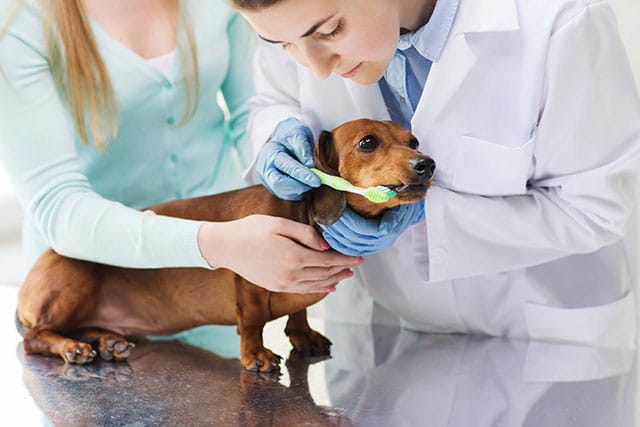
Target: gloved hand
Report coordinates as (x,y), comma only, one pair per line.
(354,235)
(283,163)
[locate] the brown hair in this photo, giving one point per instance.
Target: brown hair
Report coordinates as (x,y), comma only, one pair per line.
(82,77)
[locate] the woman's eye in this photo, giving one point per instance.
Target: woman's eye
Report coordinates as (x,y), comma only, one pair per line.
(332,34)
(413,143)
(368,143)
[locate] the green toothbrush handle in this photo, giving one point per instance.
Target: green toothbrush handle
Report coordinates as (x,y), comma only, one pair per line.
(333,181)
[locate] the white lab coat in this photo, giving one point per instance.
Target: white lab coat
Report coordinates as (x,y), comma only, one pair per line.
(533,118)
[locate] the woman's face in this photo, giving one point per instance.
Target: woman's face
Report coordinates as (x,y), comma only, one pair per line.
(353,38)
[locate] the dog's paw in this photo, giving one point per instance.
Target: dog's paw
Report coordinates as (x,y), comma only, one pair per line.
(114,348)
(261,361)
(310,343)
(78,353)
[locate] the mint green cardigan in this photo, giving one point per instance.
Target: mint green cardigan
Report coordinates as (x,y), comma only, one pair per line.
(83,202)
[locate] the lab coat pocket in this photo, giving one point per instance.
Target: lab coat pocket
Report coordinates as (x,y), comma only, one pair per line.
(610,325)
(491,169)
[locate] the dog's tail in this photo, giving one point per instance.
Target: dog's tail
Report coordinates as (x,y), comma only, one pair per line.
(21,327)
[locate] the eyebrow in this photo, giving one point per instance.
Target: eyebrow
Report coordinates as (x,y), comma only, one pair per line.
(310,31)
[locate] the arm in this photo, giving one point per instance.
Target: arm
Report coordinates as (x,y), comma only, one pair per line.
(276,81)
(282,165)
(587,151)
(38,150)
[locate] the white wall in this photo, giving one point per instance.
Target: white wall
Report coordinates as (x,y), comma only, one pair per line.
(628,12)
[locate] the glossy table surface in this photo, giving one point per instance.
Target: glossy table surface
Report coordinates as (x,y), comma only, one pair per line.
(377,376)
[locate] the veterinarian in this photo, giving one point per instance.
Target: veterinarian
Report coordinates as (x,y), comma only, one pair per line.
(531,114)
(109,107)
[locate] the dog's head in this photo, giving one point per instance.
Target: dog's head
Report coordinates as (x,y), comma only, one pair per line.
(368,153)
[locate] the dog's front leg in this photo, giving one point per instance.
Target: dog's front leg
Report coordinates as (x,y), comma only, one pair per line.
(252,309)
(306,341)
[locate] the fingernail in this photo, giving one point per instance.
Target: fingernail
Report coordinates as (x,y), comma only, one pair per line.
(360,260)
(324,245)
(332,289)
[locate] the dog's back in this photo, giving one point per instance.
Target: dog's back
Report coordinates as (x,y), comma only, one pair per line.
(78,309)
(147,301)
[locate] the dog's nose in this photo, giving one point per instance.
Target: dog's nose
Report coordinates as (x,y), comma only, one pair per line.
(423,166)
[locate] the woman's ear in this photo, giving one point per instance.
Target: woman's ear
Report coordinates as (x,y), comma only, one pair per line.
(324,154)
(326,205)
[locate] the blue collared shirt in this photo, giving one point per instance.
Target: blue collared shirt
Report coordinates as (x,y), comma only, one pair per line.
(406,75)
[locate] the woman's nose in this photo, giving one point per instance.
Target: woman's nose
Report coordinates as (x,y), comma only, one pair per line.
(321,61)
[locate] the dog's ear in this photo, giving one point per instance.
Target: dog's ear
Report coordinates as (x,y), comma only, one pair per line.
(326,205)
(324,154)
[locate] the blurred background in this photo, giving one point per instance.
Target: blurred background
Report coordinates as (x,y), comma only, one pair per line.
(12,266)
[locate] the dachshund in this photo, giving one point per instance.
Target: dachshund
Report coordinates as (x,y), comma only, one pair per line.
(77,309)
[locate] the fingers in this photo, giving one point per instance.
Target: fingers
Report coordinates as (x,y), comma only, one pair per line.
(321,285)
(392,217)
(350,223)
(323,275)
(349,248)
(400,217)
(303,234)
(284,186)
(294,169)
(300,145)
(326,285)
(318,269)
(352,234)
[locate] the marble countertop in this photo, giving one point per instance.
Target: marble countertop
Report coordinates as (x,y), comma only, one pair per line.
(377,376)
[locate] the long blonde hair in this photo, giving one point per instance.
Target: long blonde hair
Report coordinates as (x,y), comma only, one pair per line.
(82,78)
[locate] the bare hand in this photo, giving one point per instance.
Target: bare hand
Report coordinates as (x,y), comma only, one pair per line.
(276,253)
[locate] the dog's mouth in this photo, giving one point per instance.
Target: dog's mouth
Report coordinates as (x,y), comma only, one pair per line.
(410,189)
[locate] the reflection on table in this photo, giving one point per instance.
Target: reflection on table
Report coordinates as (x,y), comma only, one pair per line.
(377,376)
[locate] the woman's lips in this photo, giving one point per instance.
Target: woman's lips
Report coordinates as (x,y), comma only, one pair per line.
(352,72)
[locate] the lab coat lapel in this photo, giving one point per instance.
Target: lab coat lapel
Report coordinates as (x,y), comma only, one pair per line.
(457,59)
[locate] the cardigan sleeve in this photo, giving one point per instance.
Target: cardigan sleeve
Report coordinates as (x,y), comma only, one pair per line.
(37,149)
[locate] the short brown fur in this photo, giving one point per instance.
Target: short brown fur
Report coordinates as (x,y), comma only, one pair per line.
(74,308)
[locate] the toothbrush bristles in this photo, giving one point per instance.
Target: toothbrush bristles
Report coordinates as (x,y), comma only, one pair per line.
(379,194)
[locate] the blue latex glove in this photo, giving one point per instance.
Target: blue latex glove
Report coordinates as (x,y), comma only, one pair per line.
(354,235)
(283,163)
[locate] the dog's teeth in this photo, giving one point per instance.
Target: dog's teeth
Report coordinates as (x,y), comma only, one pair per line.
(120,347)
(78,351)
(110,343)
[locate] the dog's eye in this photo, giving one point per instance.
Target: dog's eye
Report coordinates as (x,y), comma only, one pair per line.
(413,143)
(368,143)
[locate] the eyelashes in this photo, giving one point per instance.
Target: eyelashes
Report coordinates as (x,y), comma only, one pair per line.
(322,36)
(333,33)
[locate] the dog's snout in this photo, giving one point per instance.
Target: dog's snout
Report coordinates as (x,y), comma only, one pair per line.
(423,166)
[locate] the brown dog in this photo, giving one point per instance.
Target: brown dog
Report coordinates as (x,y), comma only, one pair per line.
(66,306)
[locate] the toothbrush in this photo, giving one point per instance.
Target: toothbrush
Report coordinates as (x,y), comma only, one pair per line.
(378,194)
